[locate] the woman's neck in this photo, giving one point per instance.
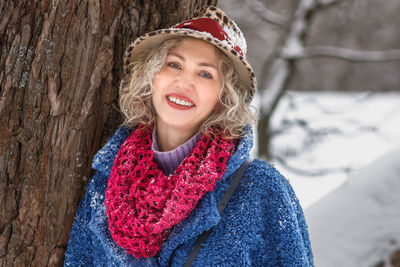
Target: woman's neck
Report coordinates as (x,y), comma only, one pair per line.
(169,138)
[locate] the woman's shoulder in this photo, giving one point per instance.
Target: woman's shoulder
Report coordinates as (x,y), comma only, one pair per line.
(266,174)
(269,182)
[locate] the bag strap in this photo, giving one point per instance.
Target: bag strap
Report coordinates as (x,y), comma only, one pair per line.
(221,206)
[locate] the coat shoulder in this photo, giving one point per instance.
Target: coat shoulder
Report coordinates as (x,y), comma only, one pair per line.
(267,177)
(104,158)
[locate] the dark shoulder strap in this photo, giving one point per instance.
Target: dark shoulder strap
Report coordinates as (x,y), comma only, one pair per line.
(221,206)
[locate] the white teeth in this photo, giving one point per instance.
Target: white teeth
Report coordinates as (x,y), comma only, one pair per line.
(179,101)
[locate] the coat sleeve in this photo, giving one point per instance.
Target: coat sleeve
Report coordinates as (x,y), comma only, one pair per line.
(286,236)
(302,226)
(79,251)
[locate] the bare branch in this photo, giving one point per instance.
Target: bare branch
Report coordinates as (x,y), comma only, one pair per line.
(322,4)
(327,2)
(279,74)
(265,14)
(345,53)
(280,70)
(311,173)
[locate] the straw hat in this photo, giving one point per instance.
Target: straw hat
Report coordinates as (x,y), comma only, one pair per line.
(212,25)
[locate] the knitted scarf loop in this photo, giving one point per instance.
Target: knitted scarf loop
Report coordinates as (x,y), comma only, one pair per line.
(143,204)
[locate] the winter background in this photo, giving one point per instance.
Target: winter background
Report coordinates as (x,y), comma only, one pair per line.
(341,154)
(335,132)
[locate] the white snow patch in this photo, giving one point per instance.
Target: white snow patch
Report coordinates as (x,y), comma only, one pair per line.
(96,200)
(236,39)
(358,223)
(352,209)
(338,132)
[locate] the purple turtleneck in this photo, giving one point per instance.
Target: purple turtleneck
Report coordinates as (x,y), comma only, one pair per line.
(170,160)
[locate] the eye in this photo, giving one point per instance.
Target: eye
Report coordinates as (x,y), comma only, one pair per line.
(174,65)
(206,75)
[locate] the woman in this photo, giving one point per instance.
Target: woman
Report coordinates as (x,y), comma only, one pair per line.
(162,175)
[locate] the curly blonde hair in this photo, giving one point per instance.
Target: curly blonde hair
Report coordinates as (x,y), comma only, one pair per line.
(231,115)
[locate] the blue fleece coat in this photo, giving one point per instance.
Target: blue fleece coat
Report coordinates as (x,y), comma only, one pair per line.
(262,225)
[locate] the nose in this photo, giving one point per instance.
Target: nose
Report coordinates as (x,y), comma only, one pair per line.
(185,81)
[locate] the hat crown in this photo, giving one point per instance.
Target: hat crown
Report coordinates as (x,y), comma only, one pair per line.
(235,37)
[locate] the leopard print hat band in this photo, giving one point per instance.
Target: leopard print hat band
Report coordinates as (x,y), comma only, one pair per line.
(212,25)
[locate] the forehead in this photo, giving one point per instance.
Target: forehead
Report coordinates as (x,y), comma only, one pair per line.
(197,47)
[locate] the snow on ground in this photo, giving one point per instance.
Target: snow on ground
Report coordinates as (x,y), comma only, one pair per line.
(323,137)
(358,224)
(324,144)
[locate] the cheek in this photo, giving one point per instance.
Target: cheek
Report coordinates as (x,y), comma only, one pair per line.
(156,83)
(156,96)
(214,94)
(161,81)
(156,90)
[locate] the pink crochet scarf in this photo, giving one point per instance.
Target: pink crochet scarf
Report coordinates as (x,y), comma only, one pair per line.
(143,203)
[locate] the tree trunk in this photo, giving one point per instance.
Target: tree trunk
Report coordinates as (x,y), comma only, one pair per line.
(60,66)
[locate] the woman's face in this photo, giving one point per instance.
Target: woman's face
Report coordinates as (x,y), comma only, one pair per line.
(187,88)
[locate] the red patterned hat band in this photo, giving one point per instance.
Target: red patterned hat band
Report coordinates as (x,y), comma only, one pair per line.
(209,26)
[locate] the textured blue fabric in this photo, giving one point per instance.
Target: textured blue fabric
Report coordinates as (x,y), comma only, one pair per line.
(262,225)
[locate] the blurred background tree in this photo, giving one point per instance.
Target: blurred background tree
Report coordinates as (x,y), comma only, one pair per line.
(318,45)
(60,67)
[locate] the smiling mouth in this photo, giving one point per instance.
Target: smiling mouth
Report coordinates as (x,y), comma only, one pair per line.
(180,101)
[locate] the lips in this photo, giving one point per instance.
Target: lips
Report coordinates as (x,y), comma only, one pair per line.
(179,102)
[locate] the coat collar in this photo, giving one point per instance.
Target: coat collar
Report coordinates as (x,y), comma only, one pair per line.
(104,158)
(202,218)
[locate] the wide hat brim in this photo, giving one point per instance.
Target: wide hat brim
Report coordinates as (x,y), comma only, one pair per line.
(151,40)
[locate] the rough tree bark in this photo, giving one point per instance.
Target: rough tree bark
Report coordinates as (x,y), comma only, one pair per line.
(60,65)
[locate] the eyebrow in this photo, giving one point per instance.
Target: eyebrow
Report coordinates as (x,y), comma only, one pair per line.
(204,64)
